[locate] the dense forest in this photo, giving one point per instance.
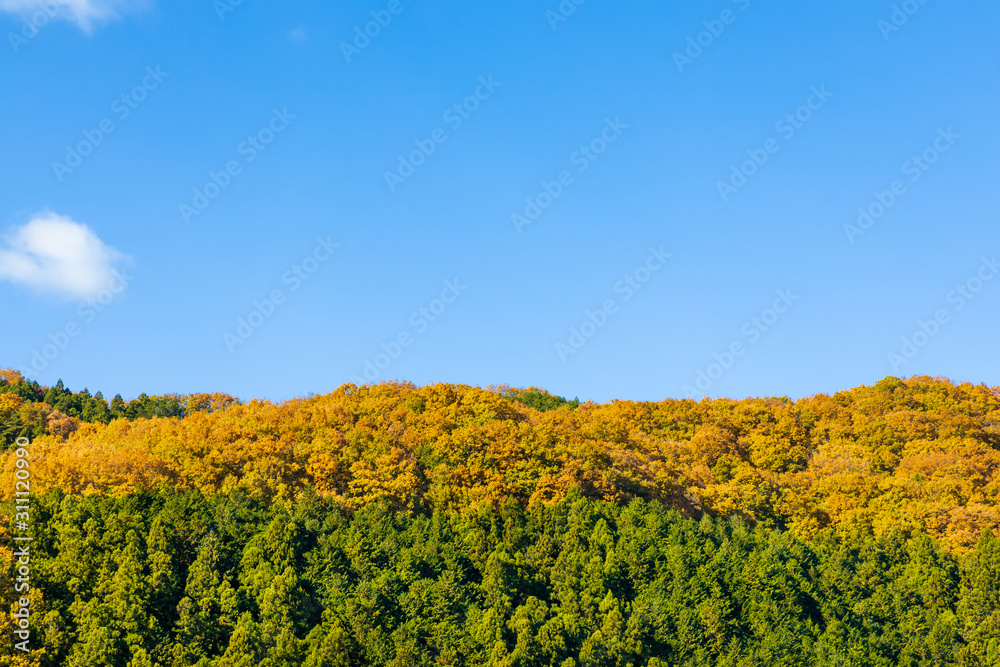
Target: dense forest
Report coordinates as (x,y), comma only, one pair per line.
(30,410)
(450,525)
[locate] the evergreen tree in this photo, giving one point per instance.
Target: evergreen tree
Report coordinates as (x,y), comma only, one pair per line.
(117,407)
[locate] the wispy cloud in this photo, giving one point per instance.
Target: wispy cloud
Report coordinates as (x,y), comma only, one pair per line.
(82,12)
(53,253)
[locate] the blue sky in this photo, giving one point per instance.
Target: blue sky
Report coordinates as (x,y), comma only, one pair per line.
(498,193)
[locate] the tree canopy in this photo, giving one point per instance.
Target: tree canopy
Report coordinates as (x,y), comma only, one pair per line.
(451,525)
(174,579)
(901,454)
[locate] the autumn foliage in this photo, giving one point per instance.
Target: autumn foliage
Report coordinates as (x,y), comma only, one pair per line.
(903,454)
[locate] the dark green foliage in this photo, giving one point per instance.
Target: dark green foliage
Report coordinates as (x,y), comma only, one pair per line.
(32,420)
(29,391)
(174,578)
(541,399)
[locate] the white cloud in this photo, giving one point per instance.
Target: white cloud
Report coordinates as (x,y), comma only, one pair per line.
(298,35)
(55,254)
(82,12)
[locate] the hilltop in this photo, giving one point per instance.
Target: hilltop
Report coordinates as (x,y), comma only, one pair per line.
(902,454)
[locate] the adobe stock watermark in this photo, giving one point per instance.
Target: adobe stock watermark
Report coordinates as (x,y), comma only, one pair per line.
(249,149)
(562,12)
(697,44)
(122,107)
(86,312)
(224,7)
(786,126)
(752,330)
(901,14)
(958,298)
(372,29)
(22,537)
(420,320)
(915,168)
(454,116)
(627,287)
(264,309)
(581,158)
(34,22)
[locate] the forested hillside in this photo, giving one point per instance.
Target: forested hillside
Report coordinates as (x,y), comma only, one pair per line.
(921,452)
(451,525)
(181,579)
(31,410)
